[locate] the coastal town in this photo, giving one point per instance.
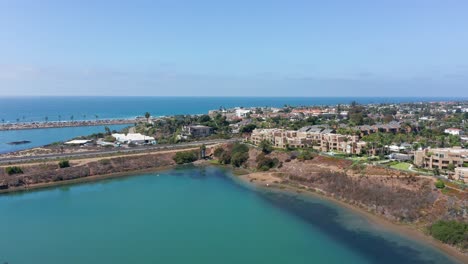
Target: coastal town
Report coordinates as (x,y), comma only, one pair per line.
(428,138)
(351,152)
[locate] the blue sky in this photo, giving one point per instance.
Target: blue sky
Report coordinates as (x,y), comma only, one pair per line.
(233,48)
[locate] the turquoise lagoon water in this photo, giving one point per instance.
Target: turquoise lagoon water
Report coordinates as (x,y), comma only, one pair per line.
(191,215)
(40,137)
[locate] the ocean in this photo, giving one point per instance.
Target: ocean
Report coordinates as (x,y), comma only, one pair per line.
(192,215)
(27,109)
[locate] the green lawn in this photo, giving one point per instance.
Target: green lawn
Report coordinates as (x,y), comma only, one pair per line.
(401,166)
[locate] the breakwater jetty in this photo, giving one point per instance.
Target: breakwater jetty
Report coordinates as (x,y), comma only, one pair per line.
(57,124)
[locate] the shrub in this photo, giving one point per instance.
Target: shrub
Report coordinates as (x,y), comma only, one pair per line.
(218,152)
(225,158)
(439,184)
(238,158)
(13,170)
(305,155)
(185,157)
(450,232)
(105,161)
(64,164)
(265,163)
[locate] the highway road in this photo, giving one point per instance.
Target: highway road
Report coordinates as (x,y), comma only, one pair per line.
(104,152)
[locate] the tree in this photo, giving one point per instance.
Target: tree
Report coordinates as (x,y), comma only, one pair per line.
(96,116)
(265,146)
(107,129)
(72,117)
(451,167)
(147,116)
(248,128)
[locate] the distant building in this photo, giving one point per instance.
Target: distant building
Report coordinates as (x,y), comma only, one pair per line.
(401,156)
(135,138)
(78,142)
(197,131)
(454,131)
(241,113)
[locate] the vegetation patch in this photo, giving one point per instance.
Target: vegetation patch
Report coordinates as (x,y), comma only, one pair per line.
(64,164)
(185,157)
(401,166)
(265,163)
(236,155)
(451,232)
(439,184)
(13,170)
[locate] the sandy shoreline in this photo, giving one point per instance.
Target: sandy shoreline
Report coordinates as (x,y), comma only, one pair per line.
(267,180)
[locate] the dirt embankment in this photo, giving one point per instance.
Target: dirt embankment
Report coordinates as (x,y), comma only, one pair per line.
(47,173)
(395,195)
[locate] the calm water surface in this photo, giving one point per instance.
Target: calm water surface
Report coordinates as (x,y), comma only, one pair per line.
(191,215)
(40,137)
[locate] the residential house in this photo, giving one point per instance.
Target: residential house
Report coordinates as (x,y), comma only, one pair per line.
(197,131)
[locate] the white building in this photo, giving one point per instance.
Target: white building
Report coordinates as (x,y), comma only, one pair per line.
(77,142)
(135,138)
(454,131)
(242,112)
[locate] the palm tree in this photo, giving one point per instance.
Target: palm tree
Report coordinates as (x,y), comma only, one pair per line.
(3,120)
(46,119)
(147,115)
(17,120)
(96,117)
(72,117)
(60,118)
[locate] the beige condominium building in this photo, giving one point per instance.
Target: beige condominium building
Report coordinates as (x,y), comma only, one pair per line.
(324,140)
(461,174)
(441,158)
